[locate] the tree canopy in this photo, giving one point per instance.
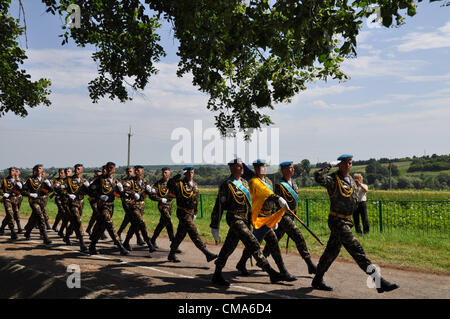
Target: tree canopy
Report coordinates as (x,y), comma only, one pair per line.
(246,56)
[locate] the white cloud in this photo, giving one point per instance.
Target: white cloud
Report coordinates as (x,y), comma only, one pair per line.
(426,40)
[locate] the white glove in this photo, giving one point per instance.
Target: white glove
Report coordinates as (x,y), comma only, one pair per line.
(164,200)
(282,202)
(48,183)
(334,163)
(150,189)
(215,233)
(72,196)
(104,198)
(19,184)
(86,183)
(120,186)
(33,195)
(6,195)
(195,216)
(275,227)
(136,195)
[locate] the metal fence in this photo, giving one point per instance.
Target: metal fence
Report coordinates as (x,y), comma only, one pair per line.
(427,217)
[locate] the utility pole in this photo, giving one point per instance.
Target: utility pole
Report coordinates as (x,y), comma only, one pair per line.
(129,138)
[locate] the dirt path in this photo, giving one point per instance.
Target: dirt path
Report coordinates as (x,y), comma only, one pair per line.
(30,270)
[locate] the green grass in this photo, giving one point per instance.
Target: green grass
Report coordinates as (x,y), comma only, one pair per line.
(397,248)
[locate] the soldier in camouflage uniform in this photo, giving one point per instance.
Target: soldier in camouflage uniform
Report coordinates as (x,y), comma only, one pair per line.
(10,189)
(19,202)
(162,196)
(45,198)
(104,188)
(35,188)
(93,200)
(65,204)
(134,191)
(76,187)
(58,184)
(271,205)
(186,192)
(288,189)
(234,197)
(127,216)
(343,201)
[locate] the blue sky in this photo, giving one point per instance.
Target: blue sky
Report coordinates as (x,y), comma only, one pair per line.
(396,104)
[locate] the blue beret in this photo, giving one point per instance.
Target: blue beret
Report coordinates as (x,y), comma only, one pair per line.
(235,161)
(344,156)
(259,162)
(188,167)
(284,164)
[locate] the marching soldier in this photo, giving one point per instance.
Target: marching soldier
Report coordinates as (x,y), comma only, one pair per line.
(76,186)
(35,188)
(58,186)
(93,200)
(271,208)
(65,204)
(133,198)
(234,197)
(126,218)
(10,190)
(343,200)
(19,202)
(288,189)
(186,192)
(162,196)
(105,189)
(45,198)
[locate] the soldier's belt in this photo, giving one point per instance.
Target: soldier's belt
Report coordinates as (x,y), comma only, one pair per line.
(340,215)
(189,211)
(241,213)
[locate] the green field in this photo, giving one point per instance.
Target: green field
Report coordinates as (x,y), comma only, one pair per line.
(412,249)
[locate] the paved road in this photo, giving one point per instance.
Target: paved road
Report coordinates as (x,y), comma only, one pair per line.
(28,269)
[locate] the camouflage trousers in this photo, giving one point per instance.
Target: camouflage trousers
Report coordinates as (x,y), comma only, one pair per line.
(342,235)
(104,222)
(272,245)
(164,221)
(75,212)
(186,226)
(287,226)
(240,230)
(62,215)
(135,213)
(12,212)
(37,215)
(44,212)
(93,218)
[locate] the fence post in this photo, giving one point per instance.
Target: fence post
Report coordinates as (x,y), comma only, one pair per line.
(380,209)
(307,212)
(201,205)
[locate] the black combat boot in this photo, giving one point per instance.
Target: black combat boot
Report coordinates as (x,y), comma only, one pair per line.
(172,257)
(386,286)
(242,268)
(285,273)
(19,227)
(151,247)
(122,249)
(273,274)
(27,234)
(153,241)
(61,232)
(209,255)
(139,240)
(312,269)
(218,279)
(2,231)
(83,247)
(92,249)
(319,284)
(13,235)
(126,243)
(66,239)
(45,238)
